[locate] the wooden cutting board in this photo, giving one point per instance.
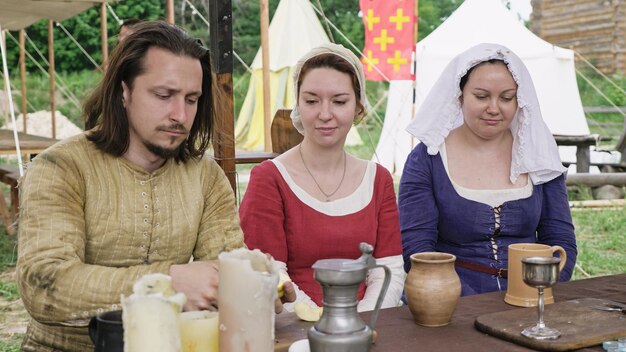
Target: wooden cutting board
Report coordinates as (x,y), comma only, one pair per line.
(579,324)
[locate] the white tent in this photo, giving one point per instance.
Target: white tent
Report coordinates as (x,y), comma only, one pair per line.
(294,30)
(478,21)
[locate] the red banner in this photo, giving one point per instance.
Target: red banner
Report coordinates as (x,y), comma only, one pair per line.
(389,39)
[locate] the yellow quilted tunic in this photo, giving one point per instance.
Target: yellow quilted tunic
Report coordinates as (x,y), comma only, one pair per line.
(91,224)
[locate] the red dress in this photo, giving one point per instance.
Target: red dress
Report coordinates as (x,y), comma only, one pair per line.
(279,218)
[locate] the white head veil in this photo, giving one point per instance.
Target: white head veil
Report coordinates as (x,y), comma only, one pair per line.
(335,49)
(534,149)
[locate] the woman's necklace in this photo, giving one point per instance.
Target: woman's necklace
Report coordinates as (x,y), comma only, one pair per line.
(328,195)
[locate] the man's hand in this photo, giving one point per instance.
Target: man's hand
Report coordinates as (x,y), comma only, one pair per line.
(289,295)
(199,282)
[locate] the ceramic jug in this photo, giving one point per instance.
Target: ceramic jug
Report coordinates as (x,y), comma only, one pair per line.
(107,332)
(518,293)
(432,288)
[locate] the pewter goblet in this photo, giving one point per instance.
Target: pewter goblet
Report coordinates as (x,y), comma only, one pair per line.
(540,272)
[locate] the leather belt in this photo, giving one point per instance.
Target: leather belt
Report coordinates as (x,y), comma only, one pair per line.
(503,273)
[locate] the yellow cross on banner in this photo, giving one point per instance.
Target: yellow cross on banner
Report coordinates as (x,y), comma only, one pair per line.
(371,19)
(370,61)
(389,27)
(383,40)
(399,19)
(397,60)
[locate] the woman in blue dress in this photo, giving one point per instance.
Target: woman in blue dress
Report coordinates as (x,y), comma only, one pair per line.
(487,171)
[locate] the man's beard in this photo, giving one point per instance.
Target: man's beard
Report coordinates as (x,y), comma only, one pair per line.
(165,153)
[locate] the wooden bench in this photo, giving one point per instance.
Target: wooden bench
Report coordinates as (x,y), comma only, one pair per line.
(582,143)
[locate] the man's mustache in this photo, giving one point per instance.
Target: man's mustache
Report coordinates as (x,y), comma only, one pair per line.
(177,127)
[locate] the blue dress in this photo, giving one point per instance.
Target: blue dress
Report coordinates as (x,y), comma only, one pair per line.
(434,217)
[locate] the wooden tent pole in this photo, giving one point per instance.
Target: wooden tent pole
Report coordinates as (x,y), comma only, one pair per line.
(51,73)
(104,36)
(221,45)
(169,11)
(265,55)
(23,77)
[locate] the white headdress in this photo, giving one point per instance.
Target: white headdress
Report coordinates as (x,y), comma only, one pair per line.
(335,49)
(534,149)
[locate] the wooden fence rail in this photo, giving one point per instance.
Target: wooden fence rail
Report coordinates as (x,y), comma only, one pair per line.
(604,109)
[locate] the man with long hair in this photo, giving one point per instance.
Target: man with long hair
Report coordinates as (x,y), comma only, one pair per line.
(130,196)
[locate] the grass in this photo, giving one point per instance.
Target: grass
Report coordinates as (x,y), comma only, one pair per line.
(8,258)
(601,242)
(9,291)
(10,306)
(579,193)
(8,250)
(12,344)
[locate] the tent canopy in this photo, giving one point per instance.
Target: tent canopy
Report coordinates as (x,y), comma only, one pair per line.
(294,30)
(19,14)
(483,21)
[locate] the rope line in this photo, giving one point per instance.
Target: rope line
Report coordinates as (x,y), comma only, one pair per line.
(17,92)
(601,73)
(330,33)
(61,83)
(582,75)
(195,12)
(119,21)
(79,46)
(597,124)
(32,43)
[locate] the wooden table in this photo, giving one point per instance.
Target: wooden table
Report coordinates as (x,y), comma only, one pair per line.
(29,144)
(398,332)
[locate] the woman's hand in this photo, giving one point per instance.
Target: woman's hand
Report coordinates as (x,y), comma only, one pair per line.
(289,295)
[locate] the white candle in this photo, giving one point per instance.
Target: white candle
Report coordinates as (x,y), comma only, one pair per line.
(150,316)
(198,331)
(247,290)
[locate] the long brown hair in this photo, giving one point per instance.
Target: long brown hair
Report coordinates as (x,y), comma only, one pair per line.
(105,115)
